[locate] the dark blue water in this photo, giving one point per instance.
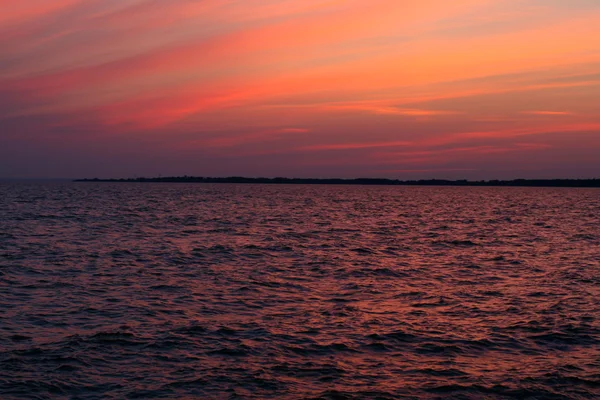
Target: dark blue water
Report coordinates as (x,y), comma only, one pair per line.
(113,291)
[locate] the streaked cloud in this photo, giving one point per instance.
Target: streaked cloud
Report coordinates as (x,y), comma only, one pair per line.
(302,84)
(544,113)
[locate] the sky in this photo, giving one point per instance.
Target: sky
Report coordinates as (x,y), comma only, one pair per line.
(462,89)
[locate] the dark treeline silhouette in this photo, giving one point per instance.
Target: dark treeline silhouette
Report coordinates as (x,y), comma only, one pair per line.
(364,181)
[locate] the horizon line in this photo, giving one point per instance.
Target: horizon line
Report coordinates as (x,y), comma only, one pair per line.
(521,182)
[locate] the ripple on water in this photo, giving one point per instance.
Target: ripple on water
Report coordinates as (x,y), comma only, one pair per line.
(298,292)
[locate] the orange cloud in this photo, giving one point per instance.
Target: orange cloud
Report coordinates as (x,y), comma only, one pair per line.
(544,113)
(312,78)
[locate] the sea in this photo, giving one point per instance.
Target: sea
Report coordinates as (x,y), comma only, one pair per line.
(247,291)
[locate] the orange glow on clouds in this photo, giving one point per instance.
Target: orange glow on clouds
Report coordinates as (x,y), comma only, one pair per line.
(471,88)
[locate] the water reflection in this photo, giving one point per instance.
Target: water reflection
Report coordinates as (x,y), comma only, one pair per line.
(225,291)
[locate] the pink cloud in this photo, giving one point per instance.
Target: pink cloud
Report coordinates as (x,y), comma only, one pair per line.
(323,81)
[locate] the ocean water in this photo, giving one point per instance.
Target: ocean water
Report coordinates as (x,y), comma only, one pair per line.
(114,291)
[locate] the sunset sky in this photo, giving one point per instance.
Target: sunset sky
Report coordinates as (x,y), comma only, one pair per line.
(476,89)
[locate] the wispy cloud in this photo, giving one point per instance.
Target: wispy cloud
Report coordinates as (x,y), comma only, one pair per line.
(545,113)
(353,146)
(382,109)
(319,82)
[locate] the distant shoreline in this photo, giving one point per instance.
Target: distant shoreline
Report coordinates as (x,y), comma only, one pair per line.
(583,183)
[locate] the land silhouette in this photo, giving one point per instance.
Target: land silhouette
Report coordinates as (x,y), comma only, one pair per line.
(361,181)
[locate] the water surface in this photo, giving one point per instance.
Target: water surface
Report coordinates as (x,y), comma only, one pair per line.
(298,292)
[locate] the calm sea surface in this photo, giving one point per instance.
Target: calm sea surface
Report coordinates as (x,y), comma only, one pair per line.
(114,291)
